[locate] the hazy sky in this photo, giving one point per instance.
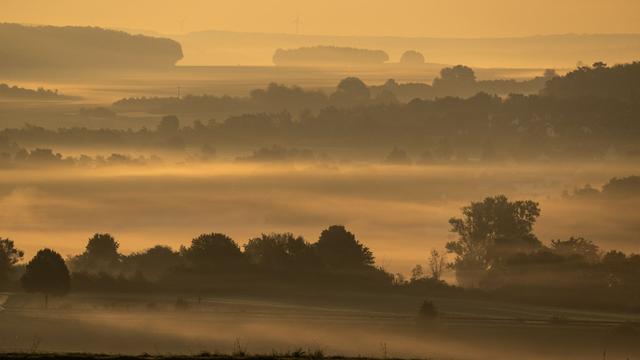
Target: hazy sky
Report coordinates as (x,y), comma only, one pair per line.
(442,18)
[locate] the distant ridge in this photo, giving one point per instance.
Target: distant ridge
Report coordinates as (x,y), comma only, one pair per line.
(215,47)
(74,47)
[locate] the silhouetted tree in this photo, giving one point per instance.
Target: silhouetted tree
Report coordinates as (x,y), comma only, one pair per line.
(47,274)
(576,246)
(626,186)
(417,273)
(459,80)
(398,156)
(412,57)
(339,249)
(9,256)
(100,255)
(600,81)
(427,310)
(437,263)
(351,91)
(489,232)
(212,250)
(169,125)
(154,262)
(281,252)
(102,247)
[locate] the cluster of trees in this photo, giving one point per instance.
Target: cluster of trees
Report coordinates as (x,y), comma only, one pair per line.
(13,156)
(350,92)
(625,187)
(481,127)
(496,255)
(329,56)
(16,92)
(211,261)
(619,82)
(497,251)
(274,98)
(412,58)
(69,47)
(461,81)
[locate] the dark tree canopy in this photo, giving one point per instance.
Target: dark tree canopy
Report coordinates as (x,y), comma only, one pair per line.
(169,124)
(339,249)
(626,186)
(76,47)
(100,255)
(576,247)
(398,156)
(47,273)
(212,250)
(412,57)
(619,82)
(351,90)
(459,80)
(9,256)
(154,262)
(102,247)
(489,232)
(281,252)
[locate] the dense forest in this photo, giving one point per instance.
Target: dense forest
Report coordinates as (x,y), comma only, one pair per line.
(50,47)
(557,124)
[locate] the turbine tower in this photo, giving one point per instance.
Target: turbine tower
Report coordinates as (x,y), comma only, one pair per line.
(298,22)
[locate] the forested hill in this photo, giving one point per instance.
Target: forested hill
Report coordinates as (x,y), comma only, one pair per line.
(329,55)
(51,47)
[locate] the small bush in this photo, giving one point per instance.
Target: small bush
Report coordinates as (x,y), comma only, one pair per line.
(427,310)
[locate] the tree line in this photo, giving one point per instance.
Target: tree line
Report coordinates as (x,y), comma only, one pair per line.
(449,129)
(496,255)
(457,81)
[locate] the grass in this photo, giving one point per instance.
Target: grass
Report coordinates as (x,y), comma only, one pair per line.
(297,354)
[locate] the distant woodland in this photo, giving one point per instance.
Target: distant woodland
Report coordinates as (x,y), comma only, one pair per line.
(16,92)
(329,55)
(573,117)
(71,47)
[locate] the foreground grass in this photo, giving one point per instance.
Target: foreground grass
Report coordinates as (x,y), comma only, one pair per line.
(202,356)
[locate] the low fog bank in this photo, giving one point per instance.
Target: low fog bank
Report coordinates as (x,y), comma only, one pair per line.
(401,212)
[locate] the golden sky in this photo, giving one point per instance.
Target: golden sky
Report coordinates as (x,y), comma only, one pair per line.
(438,18)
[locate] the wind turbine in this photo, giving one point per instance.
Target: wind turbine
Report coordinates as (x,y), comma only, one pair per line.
(298,22)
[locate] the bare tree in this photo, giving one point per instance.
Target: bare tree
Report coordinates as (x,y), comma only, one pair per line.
(417,273)
(437,262)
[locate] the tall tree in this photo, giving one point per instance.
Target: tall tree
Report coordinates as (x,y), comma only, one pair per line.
(489,232)
(47,274)
(9,256)
(281,252)
(101,255)
(339,249)
(212,250)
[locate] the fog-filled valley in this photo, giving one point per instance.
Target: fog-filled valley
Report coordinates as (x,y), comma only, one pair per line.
(351,196)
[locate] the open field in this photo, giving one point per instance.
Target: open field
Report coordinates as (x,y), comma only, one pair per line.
(385,327)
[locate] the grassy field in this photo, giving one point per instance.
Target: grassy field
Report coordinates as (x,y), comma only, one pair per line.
(349,325)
